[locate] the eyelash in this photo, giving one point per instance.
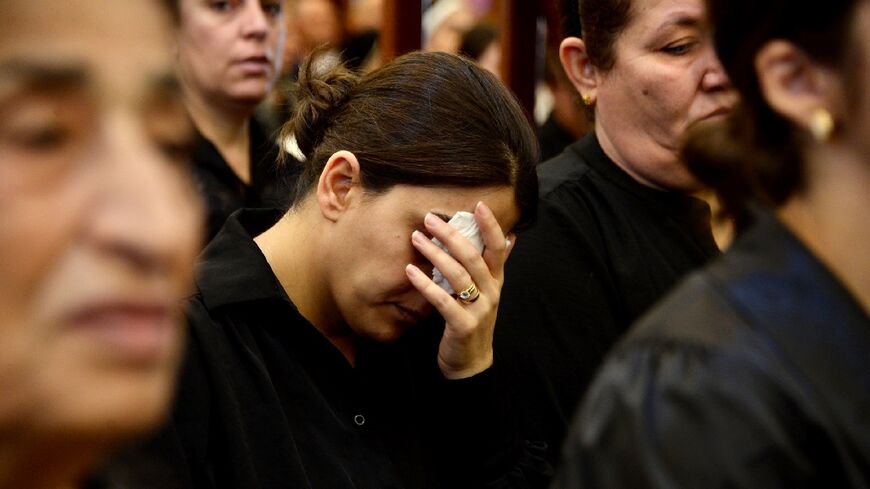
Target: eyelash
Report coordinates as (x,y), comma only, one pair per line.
(43,139)
(679,49)
(273,9)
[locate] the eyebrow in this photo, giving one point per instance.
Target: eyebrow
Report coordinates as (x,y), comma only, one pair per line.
(162,88)
(682,20)
(166,83)
(20,74)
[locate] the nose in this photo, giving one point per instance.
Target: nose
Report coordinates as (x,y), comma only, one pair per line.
(714,78)
(255,21)
(144,212)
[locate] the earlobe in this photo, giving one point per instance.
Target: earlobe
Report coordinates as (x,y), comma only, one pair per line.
(792,84)
(579,68)
(338,184)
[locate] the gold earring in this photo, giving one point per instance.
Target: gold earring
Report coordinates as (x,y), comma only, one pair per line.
(587,100)
(821,125)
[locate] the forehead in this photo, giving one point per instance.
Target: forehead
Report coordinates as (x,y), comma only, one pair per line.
(414,202)
(116,43)
(651,16)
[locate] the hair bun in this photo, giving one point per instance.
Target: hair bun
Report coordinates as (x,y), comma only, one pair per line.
(323,88)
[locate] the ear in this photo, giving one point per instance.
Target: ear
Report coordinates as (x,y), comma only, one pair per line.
(338,185)
(793,85)
(579,68)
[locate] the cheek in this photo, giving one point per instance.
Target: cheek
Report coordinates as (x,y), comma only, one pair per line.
(37,231)
(665,99)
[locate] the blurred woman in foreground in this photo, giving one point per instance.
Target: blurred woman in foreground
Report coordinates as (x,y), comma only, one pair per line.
(99,227)
(755,372)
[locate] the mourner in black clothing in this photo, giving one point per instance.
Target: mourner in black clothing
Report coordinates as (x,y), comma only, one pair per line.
(313,360)
(99,228)
(755,371)
(603,250)
(616,227)
(271,183)
(229,55)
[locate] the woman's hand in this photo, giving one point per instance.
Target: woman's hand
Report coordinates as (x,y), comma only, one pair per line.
(466,347)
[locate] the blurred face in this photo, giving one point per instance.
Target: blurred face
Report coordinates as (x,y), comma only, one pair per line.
(665,78)
(318,23)
(447,36)
(230,51)
(98,224)
(367,270)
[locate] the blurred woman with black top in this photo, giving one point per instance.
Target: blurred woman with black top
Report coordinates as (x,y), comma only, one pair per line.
(755,372)
(229,54)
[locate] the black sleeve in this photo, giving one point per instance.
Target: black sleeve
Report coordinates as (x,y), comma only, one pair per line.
(558,316)
(678,416)
(479,443)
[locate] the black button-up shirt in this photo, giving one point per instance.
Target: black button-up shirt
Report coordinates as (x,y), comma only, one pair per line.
(266,401)
(603,250)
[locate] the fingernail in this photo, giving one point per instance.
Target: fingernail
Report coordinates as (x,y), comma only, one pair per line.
(417,236)
(412,270)
(483,209)
(432,220)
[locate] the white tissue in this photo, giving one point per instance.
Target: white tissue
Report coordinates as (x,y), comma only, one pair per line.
(466,225)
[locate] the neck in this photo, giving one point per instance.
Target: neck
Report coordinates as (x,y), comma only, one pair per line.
(28,464)
(830,216)
(295,250)
(228,128)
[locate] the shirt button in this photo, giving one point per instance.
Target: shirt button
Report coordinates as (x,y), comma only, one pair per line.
(359,419)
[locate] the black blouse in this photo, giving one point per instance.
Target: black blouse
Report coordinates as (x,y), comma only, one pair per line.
(272,185)
(266,401)
(604,249)
(753,373)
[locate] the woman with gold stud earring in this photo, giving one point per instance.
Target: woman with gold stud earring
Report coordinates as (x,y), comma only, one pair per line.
(619,223)
(755,372)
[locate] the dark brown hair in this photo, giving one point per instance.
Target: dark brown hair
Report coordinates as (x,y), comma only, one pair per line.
(428,119)
(755,154)
(601,22)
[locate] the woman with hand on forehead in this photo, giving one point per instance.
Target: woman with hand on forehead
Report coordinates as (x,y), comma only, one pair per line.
(323,354)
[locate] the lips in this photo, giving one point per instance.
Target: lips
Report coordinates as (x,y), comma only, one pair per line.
(720,112)
(136,332)
(259,63)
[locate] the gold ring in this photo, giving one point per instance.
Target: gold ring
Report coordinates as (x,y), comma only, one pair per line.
(469,294)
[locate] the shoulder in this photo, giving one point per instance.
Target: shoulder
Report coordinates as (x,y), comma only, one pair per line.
(697,398)
(566,169)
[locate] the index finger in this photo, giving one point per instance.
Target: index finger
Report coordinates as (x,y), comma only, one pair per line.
(495,245)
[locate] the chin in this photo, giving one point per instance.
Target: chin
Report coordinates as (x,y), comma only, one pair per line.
(115,408)
(250,93)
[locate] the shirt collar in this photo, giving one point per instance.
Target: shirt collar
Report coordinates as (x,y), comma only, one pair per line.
(674,203)
(232,268)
